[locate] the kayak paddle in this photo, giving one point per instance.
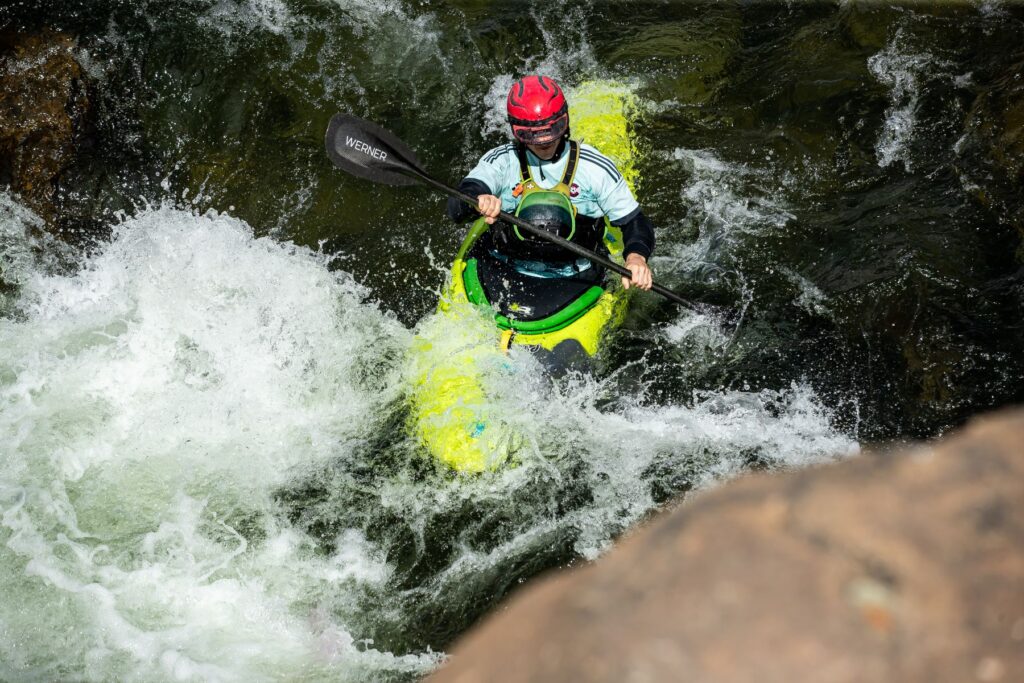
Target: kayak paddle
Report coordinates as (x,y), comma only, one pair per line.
(366,150)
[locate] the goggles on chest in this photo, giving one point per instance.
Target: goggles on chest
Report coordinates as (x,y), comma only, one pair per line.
(550,210)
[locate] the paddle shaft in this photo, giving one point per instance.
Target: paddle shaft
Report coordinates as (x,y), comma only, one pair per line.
(550,237)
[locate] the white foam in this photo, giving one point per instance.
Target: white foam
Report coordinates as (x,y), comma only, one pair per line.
(902,72)
(724,198)
(231,16)
(702,328)
(809,297)
(17,260)
(149,405)
(711,437)
(393,31)
(726,203)
(153,403)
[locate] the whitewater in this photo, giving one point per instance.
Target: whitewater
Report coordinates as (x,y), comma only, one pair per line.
(162,403)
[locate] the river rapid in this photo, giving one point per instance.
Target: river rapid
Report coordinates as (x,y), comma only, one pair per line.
(205,467)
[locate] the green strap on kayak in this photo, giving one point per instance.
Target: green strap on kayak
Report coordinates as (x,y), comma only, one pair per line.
(563,318)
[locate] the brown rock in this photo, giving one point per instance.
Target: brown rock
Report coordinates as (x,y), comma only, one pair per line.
(42,102)
(907,567)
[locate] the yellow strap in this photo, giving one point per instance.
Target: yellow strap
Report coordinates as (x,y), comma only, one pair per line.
(572,165)
(506,340)
(528,184)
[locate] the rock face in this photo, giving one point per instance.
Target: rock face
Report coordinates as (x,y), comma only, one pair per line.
(42,104)
(905,567)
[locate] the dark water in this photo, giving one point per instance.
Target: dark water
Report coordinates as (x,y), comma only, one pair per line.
(839,182)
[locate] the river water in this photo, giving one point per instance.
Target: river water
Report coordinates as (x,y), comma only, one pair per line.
(205,472)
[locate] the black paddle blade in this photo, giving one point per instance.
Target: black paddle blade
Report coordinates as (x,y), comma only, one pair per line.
(368,151)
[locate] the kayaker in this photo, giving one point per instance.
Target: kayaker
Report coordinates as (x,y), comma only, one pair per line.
(557,183)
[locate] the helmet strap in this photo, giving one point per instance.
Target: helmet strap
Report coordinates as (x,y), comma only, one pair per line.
(561,148)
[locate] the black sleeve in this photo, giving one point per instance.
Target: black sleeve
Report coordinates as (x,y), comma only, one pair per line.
(637,234)
(458,210)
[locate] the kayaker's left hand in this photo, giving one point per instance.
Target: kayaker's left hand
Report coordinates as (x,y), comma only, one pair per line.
(642,276)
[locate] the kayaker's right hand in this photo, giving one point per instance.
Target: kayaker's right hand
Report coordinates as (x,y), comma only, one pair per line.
(489,207)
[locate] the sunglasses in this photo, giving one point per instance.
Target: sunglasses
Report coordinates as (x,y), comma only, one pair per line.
(540,135)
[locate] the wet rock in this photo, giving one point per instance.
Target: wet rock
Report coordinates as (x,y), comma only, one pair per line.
(43,103)
(904,567)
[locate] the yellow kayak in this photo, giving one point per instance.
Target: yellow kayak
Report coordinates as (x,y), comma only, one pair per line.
(456,350)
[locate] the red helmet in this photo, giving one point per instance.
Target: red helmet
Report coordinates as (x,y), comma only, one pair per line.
(537,110)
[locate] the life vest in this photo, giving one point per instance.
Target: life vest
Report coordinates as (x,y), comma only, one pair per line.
(550,209)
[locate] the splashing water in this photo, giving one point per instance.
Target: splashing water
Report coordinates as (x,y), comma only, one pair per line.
(902,73)
(228,16)
(16,258)
(720,204)
(204,473)
(151,404)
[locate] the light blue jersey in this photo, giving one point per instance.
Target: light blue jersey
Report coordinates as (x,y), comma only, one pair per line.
(598,188)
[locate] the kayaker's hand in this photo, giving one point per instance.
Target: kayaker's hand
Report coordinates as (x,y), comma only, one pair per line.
(489,207)
(642,276)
